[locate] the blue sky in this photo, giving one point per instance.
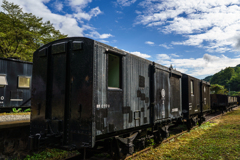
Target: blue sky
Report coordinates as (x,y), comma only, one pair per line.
(198,37)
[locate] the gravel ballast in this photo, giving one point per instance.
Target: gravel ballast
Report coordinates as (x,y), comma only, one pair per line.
(7,118)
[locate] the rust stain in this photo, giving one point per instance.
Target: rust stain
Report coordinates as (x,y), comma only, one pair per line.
(86,78)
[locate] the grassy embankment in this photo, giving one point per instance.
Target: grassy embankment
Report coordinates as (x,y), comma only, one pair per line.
(219,139)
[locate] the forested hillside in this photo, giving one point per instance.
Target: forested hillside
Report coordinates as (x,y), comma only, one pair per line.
(229,77)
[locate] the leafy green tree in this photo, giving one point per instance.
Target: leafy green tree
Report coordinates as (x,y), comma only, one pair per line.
(218,89)
(234,93)
(22,33)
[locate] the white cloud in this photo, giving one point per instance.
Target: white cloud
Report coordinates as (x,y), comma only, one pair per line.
(199,67)
(149,42)
(58,5)
(209,24)
(174,55)
(126,2)
(138,12)
(166,46)
(104,41)
(119,12)
(94,34)
(163,56)
(79,4)
(87,16)
(68,23)
(139,54)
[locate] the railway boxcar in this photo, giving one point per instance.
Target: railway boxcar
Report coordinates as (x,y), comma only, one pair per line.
(85,91)
(219,102)
(223,102)
(238,100)
(232,102)
(196,99)
(15,84)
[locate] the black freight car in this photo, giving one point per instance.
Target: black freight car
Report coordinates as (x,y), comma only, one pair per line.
(238,100)
(223,102)
(15,84)
(195,99)
(219,102)
(85,91)
(232,102)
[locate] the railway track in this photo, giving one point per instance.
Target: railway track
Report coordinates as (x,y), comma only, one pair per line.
(208,118)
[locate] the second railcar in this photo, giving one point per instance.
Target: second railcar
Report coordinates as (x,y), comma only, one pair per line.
(232,102)
(196,99)
(15,84)
(85,91)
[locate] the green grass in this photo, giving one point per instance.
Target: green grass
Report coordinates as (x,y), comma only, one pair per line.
(219,139)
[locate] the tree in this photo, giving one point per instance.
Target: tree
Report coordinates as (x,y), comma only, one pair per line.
(22,33)
(218,89)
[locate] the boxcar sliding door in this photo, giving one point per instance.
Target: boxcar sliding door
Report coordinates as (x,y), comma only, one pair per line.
(161,94)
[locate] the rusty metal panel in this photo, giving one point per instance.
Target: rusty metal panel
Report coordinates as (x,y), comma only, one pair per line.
(136,91)
(11,95)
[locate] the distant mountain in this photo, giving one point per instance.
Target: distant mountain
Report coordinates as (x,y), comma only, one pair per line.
(229,77)
(208,78)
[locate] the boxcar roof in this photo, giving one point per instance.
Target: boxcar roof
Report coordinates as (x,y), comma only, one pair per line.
(15,60)
(112,49)
(205,82)
(190,76)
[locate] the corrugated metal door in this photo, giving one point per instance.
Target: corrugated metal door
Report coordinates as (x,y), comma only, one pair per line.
(162,95)
(176,101)
(114,92)
(194,93)
(205,90)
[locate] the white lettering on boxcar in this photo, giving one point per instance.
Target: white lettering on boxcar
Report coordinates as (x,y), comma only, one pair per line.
(104,106)
(174,109)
